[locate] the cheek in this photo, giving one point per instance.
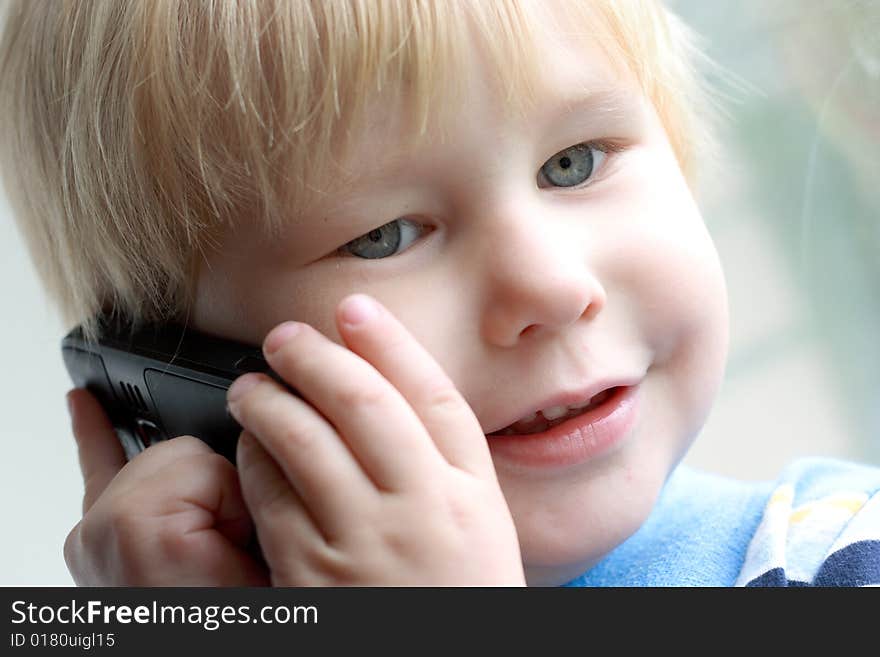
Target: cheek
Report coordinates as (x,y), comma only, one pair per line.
(440,318)
(664,260)
(682,307)
(248,303)
(436,318)
(680,288)
(664,264)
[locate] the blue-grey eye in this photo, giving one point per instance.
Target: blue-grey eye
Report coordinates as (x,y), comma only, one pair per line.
(573,166)
(384,241)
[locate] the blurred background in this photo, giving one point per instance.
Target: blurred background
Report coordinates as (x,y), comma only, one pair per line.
(795,214)
(794,211)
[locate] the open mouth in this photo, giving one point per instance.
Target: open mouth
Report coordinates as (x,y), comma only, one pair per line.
(549,417)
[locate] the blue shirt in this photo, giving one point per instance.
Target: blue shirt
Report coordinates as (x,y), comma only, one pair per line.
(818,524)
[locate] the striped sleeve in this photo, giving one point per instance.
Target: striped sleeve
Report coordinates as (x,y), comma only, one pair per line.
(821,527)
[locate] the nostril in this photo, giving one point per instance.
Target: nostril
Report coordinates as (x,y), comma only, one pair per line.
(528,330)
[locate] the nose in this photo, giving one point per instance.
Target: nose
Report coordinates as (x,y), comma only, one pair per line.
(538,276)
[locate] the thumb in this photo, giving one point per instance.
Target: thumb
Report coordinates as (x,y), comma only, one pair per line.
(100,454)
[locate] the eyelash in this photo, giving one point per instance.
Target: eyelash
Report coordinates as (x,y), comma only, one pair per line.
(607,147)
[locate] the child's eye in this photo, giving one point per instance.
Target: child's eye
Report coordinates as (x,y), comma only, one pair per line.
(384,241)
(574,165)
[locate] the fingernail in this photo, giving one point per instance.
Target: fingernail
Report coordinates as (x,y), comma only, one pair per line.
(358,309)
(279,335)
(240,386)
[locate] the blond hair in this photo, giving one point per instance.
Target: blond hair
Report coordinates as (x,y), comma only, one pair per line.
(131,131)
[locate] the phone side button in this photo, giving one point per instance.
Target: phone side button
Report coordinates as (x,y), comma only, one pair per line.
(148,432)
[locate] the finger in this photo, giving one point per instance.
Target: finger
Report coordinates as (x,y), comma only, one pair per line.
(158,458)
(209,510)
(284,526)
(100,454)
(308,451)
(376,422)
(206,483)
(375,334)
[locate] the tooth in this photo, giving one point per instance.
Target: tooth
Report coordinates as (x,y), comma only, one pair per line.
(531,422)
(554,412)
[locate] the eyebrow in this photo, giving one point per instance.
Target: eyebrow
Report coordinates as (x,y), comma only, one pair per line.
(601,105)
(611,102)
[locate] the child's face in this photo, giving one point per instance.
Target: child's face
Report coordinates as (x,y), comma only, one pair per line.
(520,288)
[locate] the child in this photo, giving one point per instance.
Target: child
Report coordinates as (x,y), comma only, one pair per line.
(510,320)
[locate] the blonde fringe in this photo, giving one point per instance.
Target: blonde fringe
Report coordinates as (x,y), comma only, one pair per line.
(132,132)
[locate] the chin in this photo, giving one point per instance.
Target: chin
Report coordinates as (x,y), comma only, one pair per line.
(557,549)
(568,526)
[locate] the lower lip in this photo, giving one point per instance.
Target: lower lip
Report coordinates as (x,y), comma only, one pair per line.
(577,440)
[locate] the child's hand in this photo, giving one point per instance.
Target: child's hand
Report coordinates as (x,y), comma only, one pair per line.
(173,516)
(383,478)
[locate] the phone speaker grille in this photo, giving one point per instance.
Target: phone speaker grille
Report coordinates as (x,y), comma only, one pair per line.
(133,396)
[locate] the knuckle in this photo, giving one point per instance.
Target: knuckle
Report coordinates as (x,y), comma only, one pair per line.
(360,396)
(275,502)
(293,572)
(118,517)
(121,523)
(134,565)
(443,396)
(299,434)
(461,513)
(398,541)
(83,537)
(218,464)
(72,546)
(109,546)
(175,448)
(249,406)
(246,453)
(337,567)
(323,564)
(186,442)
(176,547)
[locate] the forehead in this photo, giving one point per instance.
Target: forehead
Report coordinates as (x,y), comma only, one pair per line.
(506,65)
(571,79)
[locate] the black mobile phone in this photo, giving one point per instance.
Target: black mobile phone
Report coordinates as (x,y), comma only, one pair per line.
(162,381)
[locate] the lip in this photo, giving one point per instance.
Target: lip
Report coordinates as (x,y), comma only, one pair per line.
(580,439)
(569,398)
